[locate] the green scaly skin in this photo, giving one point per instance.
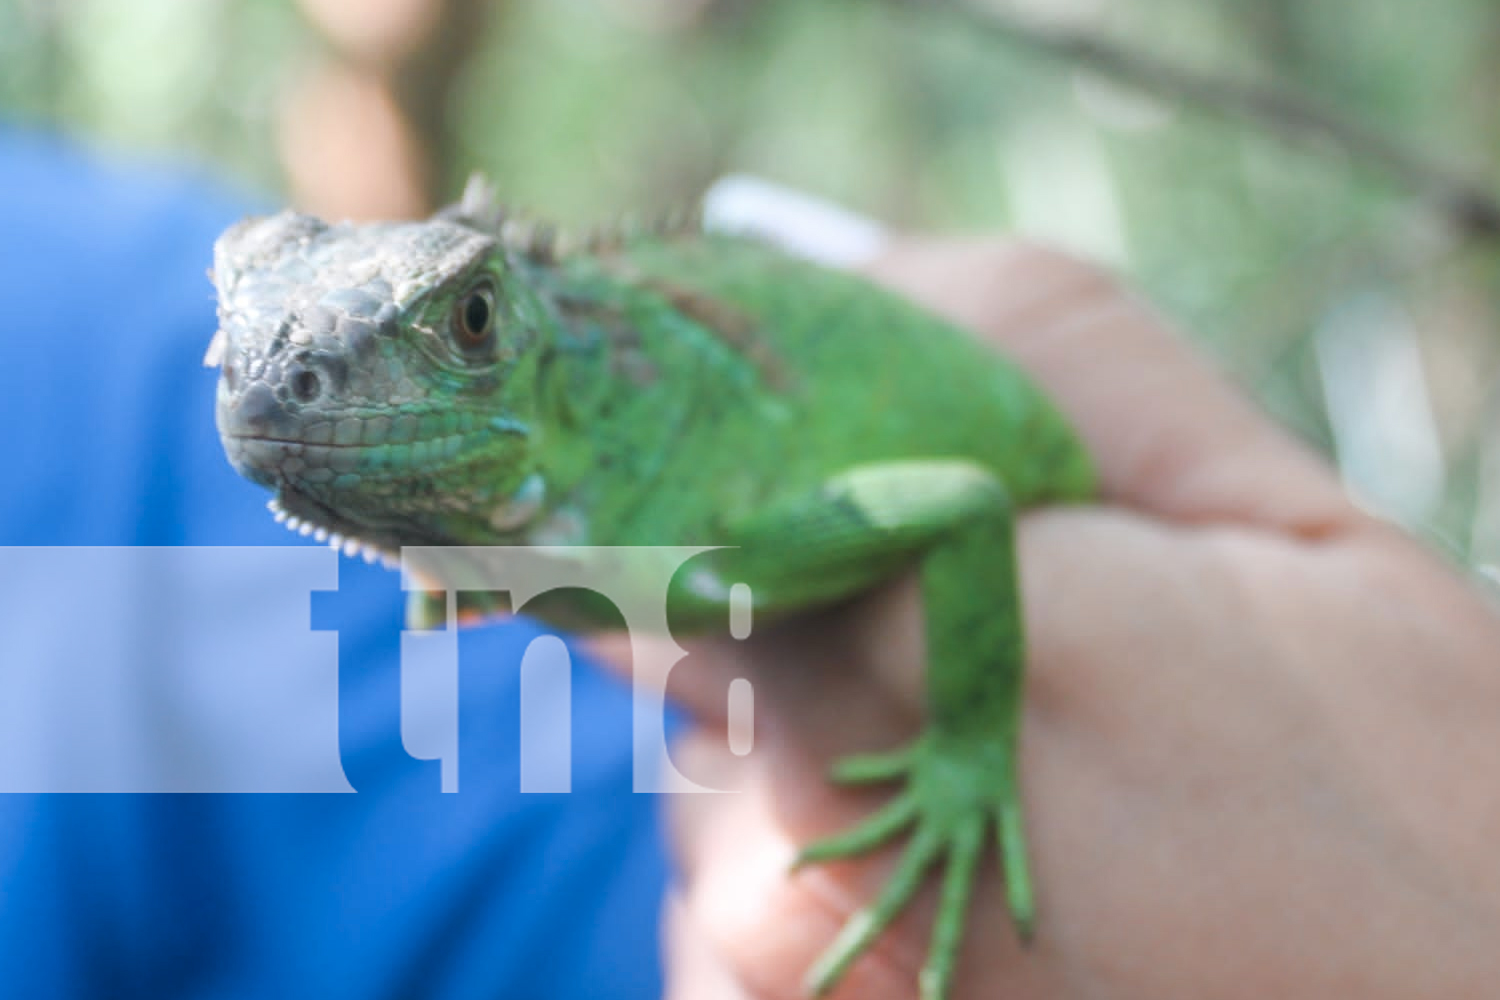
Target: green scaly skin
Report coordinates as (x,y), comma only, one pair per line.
(447,382)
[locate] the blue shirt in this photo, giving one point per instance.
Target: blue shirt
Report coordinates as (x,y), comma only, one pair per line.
(396,891)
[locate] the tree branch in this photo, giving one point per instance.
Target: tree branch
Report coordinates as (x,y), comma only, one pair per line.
(1471,208)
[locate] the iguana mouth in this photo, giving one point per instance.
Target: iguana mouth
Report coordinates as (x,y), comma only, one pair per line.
(298,443)
(272,455)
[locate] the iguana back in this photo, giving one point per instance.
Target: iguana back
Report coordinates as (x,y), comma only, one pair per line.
(738,374)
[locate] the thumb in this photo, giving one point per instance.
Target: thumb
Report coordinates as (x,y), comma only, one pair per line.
(1168,433)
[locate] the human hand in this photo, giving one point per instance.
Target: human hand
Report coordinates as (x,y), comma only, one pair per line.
(1261,749)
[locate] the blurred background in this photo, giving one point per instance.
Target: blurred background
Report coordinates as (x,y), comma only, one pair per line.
(1309,189)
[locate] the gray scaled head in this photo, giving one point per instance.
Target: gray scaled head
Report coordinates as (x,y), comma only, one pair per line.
(360,367)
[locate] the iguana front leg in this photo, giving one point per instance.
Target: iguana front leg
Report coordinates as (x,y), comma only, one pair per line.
(959,777)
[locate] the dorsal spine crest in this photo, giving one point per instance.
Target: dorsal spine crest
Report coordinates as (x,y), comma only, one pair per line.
(544,243)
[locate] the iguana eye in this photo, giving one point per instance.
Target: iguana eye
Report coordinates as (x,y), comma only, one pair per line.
(474,317)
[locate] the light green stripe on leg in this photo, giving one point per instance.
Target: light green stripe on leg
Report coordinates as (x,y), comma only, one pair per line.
(953,905)
(871,768)
(889,820)
(1012,837)
(861,930)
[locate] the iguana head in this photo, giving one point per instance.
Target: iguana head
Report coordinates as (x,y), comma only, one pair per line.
(364,372)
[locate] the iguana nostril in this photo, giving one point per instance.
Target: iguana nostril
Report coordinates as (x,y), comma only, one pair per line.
(306,385)
(257,411)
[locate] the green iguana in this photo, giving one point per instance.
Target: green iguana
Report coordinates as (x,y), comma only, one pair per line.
(466,380)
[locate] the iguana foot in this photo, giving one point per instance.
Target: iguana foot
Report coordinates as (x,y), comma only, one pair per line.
(953,794)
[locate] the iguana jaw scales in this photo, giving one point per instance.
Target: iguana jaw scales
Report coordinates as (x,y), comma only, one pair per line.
(316,526)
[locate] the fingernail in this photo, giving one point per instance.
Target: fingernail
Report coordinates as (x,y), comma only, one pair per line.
(798,223)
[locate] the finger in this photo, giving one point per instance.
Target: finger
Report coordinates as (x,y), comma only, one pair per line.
(696,675)
(865,926)
(694,970)
(1169,434)
(807,676)
(764,928)
(703,754)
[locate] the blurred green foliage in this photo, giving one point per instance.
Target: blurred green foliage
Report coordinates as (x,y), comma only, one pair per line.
(1325,287)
